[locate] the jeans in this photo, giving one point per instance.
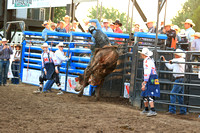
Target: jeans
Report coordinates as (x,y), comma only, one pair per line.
(15,69)
(48,85)
(4,65)
(177,89)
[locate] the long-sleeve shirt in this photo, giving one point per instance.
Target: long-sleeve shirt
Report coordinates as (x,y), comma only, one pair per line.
(177,67)
(149,68)
(195,45)
(44,32)
(118,30)
(17,55)
(107,30)
(188,33)
(5,53)
(60,57)
(47,57)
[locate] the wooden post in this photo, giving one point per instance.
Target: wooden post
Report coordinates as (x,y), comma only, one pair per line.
(97,7)
(165,13)
(132,17)
(127,17)
(100,13)
(5,18)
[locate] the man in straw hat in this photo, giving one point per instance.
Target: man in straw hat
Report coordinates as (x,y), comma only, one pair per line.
(5,52)
(59,59)
(196,43)
(46,29)
(179,78)
(67,23)
(150,26)
(106,27)
(62,27)
(150,85)
(171,35)
(188,24)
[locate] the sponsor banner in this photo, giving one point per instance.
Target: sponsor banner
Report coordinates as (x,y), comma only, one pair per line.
(126,90)
(71,84)
(19,4)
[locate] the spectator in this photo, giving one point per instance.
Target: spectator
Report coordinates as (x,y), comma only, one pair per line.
(112,26)
(47,29)
(196,43)
(150,85)
(171,36)
(118,30)
(106,27)
(179,78)
(188,24)
(62,27)
(75,27)
(16,64)
(177,29)
(150,26)
(67,23)
(53,26)
(136,28)
(5,52)
(161,27)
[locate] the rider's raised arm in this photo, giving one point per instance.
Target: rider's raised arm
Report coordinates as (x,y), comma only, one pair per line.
(97,23)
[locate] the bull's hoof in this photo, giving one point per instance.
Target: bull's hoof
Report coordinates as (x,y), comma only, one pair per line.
(80,94)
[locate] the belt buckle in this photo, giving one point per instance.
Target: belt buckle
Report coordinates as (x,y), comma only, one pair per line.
(5,59)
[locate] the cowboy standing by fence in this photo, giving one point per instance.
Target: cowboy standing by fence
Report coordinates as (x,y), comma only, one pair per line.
(150,85)
(179,78)
(5,52)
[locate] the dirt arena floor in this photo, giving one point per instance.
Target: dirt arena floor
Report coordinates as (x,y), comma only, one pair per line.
(21,111)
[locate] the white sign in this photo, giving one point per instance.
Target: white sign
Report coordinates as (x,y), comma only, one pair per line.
(71,84)
(77,1)
(126,90)
(19,4)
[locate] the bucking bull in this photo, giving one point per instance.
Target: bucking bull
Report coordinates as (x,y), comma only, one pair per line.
(102,64)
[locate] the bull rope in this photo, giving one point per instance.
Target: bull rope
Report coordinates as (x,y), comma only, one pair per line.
(29,50)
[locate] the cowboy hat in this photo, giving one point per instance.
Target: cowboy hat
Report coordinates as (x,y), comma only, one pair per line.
(44,23)
(168,24)
(66,16)
(75,22)
(44,45)
(180,54)
(146,51)
(60,45)
(150,21)
(53,24)
(136,25)
(189,21)
(118,22)
(176,27)
(105,21)
(197,34)
(4,40)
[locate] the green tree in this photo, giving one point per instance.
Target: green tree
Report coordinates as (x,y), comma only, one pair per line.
(186,12)
(111,14)
(196,19)
(59,13)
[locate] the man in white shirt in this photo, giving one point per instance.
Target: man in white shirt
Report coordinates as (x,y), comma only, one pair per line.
(179,78)
(59,59)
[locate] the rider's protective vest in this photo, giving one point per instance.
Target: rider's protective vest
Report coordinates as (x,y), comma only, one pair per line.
(101,39)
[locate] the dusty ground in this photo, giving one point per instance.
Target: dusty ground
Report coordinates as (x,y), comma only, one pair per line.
(22,111)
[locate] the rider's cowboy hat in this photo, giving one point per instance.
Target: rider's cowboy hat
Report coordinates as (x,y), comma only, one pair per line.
(117,22)
(44,23)
(60,44)
(189,21)
(44,45)
(4,40)
(180,54)
(146,51)
(197,34)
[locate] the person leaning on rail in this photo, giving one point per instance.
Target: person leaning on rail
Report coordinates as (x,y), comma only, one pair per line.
(150,85)
(179,78)
(59,59)
(5,52)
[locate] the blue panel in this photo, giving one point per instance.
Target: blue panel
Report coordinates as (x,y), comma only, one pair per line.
(80,50)
(82,34)
(32,55)
(33,48)
(77,58)
(150,35)
(58,34)
(32,33)
(117,35)
(82,65)
(28,41)
(34,60)
(32,66)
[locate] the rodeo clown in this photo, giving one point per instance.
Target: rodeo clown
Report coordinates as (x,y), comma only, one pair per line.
(100,40)
(150,85)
